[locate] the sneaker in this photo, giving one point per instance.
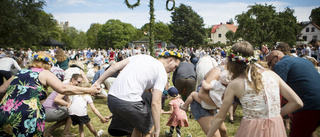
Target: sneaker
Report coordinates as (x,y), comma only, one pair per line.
(168,134)
(188,135)
(100,132)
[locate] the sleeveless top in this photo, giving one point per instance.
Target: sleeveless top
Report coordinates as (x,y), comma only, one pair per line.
(263,104)
(22,113)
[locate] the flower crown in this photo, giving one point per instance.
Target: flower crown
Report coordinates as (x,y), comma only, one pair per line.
(240,58)
(170,54)
(49,60)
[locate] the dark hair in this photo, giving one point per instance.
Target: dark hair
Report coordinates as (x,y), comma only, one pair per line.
(76,76)
(75,66)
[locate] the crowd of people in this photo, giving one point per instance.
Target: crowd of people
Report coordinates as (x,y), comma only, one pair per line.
(272,85)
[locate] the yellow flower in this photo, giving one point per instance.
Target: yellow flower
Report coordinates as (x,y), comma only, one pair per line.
(8,129)
(33,104)
(40,56)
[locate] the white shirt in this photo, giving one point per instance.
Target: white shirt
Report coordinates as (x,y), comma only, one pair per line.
(141,73)
(6,64)
(79,104)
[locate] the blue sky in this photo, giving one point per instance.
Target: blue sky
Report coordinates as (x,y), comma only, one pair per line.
(82,13)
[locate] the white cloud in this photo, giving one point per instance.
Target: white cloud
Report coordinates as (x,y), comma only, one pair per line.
(71,2)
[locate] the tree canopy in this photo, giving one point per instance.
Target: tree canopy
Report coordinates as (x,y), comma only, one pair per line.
(315,16)
(187,27)
(116,34)
(261,24)
(161,31)
(24,23)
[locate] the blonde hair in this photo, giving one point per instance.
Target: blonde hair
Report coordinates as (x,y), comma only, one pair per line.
(60,55)
(237,69)
(41,63)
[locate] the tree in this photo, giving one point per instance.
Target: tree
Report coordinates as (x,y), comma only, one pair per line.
(231,37)
(115,34)
(261,24)
(161,31)
(187,27)
(315,16)
(92,35)
(23,23)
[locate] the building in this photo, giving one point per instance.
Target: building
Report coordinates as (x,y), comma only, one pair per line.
(63,26)
(309,32)
(218,32)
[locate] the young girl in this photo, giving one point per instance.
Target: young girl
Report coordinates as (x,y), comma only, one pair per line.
(258,90)
(178,117)
(78,112)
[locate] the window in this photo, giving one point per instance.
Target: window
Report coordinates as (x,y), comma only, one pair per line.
(312,29)
(219,35)
(315,37)
(304,38)
(307,29)
(219,41)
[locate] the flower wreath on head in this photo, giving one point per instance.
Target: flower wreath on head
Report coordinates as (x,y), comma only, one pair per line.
(170,54)
(49,60)
(238,57)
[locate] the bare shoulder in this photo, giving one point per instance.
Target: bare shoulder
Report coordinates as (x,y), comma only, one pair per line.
(236,86)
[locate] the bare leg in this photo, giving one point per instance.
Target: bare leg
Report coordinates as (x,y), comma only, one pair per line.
(287,123)
(81,131)
(314,134)
(205,125)
(91,128)
(136,133)
(191,97)
(55,126)
(204,96)
(223,130)
(67,126)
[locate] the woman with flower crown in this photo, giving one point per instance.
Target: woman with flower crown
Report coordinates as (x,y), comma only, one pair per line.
(258,89)
(21,111)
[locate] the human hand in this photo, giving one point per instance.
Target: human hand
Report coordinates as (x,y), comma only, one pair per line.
(155,134)
(104,120)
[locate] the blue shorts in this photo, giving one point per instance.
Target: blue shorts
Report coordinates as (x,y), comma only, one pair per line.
(198,112)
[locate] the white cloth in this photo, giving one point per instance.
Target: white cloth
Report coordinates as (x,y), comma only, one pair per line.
(7,63)
(141,73)
(203,66)
(215,94)
(263,104)
(69,72)
(90,74)
(79,104)
(307,49)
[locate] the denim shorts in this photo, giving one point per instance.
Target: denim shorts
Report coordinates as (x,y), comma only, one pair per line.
(199,112)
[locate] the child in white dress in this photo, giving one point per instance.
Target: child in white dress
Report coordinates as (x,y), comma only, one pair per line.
(78,113)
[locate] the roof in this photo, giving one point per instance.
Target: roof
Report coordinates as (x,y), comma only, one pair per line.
(314,24)
(231,27)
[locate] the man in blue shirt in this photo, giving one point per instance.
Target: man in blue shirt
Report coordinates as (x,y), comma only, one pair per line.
(303,78)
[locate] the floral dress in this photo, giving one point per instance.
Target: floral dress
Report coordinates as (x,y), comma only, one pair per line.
(178,116)
(21,112)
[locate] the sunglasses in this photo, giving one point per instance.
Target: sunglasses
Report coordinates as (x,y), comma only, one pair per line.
(79,82)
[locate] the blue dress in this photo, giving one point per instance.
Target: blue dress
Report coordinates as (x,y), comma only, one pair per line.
(21,112)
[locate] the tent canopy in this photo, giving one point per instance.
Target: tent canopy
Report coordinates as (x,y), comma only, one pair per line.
(171,45)
(53,42)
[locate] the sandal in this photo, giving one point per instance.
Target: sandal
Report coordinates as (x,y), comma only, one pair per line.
(183,108)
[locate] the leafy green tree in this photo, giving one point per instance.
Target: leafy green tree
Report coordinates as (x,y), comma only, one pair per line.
(315,16)
(92,35)
(187,27)
(115,34)
(69,37)
(231,37)
(261,24)
(161,31)
(23,23)
(81,40)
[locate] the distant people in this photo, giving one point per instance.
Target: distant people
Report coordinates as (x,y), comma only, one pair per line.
(7,63)
(62,59)
(139,73)
(259,92)
(303,78)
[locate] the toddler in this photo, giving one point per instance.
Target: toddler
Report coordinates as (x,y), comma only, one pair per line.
(178,117)
(78,112)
